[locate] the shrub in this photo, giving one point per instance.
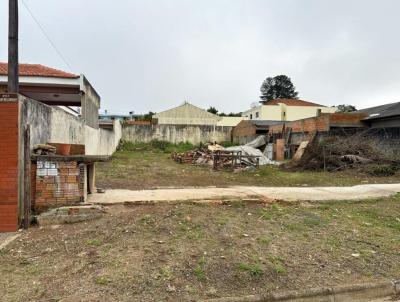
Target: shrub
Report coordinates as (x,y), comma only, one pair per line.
(254,269)
(161,145)
(382,170)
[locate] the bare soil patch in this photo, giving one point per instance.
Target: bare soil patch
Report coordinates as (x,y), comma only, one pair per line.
(186,252)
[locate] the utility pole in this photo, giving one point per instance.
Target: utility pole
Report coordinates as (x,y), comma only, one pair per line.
(13,85)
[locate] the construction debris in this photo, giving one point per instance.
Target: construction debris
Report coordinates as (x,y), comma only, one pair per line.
(235,158)
(338,153)
(44,149)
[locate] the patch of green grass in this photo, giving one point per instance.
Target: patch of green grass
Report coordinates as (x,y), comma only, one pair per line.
(199,269)
(333,241)
(278,265)
(295,227)
(191,230)
(33,270)
(237,203)
(253,269)
(312,221)
(156,146)
(221,221)
(264,241)
(147,219)
(199,272)
(166,273)
(102,280)
(94,242)
(266,214)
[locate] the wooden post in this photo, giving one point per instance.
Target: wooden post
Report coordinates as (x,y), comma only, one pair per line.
(13,86)
(27,177)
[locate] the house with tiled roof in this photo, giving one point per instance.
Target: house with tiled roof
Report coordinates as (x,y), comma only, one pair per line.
(286,110)
(56,88)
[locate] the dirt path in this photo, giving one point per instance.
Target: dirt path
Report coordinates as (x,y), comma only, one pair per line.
(282,193)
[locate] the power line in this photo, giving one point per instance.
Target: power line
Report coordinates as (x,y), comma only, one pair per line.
(46,35)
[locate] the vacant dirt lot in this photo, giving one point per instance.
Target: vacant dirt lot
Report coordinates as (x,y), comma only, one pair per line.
(148,168)
(186,252)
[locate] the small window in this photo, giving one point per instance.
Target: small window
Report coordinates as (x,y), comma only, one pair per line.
(251,116)
(257,114)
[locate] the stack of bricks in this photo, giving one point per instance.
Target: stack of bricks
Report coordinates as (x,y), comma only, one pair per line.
(57,184)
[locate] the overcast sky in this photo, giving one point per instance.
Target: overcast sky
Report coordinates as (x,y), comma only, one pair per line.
(154,54)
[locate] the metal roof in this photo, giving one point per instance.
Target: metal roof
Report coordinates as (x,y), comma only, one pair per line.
(383,111)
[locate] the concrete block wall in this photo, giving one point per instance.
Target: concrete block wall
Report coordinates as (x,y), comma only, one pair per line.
(57,184)
(194,134)
(9,146)
(320,123)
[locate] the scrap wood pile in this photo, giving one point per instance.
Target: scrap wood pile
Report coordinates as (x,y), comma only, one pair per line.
(339,153)
(237,157)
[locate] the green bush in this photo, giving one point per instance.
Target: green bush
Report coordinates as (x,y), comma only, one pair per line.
(161,145)
(382,170)
(155,145)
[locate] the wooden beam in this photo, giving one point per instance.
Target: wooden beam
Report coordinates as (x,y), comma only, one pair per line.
(27,177)
(13,46)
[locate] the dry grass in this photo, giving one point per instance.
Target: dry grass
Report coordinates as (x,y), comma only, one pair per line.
(184,252)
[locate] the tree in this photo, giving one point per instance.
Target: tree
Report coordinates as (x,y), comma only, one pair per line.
(146,116)
(277,87)
(346,108)
(212,110)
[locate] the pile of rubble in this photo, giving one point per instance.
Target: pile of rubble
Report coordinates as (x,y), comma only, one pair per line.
(236,157)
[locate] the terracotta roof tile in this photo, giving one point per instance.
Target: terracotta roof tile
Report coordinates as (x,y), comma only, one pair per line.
(37,70)
(291,102)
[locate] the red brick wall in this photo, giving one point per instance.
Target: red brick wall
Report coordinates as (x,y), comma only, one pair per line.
(8,166)
(57,190)
(320,123)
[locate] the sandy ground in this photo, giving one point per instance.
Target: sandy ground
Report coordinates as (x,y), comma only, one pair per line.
(281,193)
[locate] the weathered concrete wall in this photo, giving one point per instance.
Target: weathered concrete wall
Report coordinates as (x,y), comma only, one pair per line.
(194,134)
(90,103)
(53,125)
(102,141)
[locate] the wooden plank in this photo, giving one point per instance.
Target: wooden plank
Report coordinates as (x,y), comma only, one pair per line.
(27,177)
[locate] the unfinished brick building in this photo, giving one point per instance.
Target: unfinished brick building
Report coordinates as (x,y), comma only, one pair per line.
(35,182)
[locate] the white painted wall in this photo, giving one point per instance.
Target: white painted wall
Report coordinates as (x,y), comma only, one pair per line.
(282,112)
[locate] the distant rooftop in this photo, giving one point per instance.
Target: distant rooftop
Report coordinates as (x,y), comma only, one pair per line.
(382,111)
(38,70)
(291,102)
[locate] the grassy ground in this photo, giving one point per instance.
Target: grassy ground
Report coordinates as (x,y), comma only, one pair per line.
(184,252)
(144,167)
